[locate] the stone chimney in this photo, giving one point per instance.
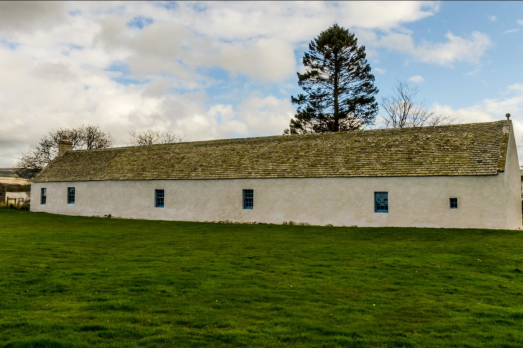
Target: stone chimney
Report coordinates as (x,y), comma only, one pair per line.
(64,145)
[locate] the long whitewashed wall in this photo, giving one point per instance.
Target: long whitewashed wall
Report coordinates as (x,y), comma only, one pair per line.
(415,201)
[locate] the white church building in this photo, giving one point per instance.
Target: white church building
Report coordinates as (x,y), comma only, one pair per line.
(458,176)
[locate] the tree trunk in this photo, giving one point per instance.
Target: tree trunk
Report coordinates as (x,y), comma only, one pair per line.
(336,116)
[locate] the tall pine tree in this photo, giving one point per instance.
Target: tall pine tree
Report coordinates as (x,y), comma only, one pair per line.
(338,85)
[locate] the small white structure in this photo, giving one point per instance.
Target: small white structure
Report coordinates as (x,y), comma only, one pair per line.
(463,176)
(16,199)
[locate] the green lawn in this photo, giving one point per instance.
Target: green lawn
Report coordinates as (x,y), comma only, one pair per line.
(83,282)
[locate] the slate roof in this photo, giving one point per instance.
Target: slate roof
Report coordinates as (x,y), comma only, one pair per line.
(468,149)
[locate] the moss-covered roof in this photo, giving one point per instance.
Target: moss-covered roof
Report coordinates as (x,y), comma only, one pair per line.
(469,149)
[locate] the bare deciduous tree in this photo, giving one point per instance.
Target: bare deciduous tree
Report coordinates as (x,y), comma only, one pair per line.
(40,155)
(150,137)
(92,137)
(404,111)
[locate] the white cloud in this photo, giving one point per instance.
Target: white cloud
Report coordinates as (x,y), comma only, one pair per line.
(252,39)
(298,22)
(384,15)
(456,49)
(262,60)
(472,114)
(380,71)
(511,31)
(28,16)
(173,49)
(520,21)
(492,18)
(185,115)
(492,109)
(517,87)
(268,115)
(417,79)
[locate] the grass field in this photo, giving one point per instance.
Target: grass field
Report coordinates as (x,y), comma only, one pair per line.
(84,282)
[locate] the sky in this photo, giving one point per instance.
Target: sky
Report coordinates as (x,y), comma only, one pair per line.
(215,70)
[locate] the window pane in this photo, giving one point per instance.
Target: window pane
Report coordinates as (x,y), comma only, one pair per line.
(381,202)
(70,195)
(248,199)
(159,198)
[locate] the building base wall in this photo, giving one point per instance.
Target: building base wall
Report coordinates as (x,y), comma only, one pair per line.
(413,201)
(512,177)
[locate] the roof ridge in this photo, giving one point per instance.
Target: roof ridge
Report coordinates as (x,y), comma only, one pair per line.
(424,128)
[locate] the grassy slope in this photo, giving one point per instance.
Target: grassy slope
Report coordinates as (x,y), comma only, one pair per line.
(78,282)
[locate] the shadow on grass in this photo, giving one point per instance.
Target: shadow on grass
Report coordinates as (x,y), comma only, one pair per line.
(40,343)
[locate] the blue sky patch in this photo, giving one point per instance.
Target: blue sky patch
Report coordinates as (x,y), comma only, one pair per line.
(169,5)
(76,47)
(128,80)
(118,66)
(9,44)
(140,22)
(125,76)
(73,13)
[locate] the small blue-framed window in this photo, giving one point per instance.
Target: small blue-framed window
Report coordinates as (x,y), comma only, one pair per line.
(453,203)
(70,195)
(43,196)
(248,199)
(381,202)
(159,198)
